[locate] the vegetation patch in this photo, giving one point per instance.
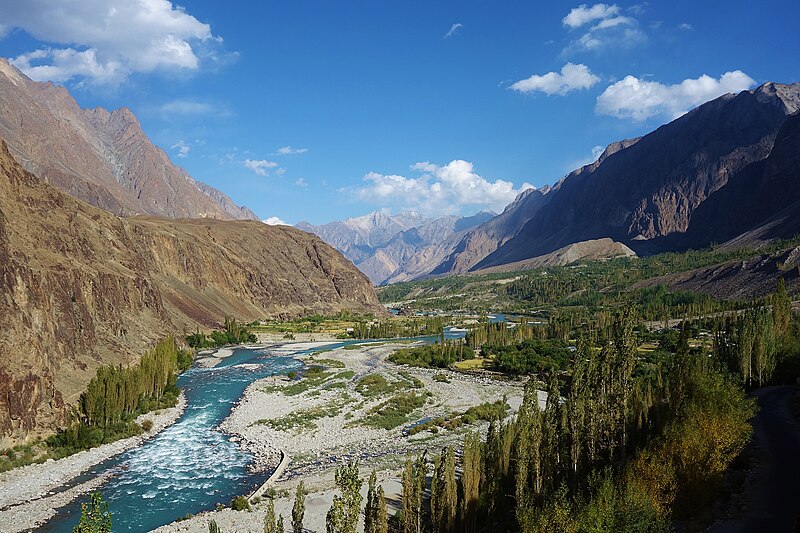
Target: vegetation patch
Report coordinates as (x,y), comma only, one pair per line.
(395,411)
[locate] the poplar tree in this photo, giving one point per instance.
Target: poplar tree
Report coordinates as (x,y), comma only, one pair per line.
(280,527)
(95,517)
(381,513)
(371,508)
(471,466)
(270,526)
(299,508)
(346,508)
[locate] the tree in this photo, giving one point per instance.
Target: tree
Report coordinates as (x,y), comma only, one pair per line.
(346,508)
(371,509)
(299,508)
(95,517)
(270,525)
(213,527)
(781,309)
(279,526)
(382,513)
(471,466)
(413,487)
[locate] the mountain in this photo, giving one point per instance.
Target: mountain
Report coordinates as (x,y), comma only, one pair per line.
(644,193)
(81,287)
(103,158)
(486,237)
(390,248)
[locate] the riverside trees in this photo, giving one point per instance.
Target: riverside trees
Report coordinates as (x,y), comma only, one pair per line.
(620,445)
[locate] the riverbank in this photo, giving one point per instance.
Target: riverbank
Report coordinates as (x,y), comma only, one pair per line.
(31,494)
(327,418)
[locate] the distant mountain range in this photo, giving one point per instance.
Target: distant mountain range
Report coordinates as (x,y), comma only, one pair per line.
(390,248)
(727,172)
(101,157)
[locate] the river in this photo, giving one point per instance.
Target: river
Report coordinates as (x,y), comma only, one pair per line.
(190,466)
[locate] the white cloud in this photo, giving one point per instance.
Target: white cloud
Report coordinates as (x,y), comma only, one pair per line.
(571,77)
(440,189)
(582,15)
(453,30)
(606,27)
(104,41)
(639,99)
(187,107)
(589,159)
(275,221)
(288,150)
(300,182)
(259,166)
(182,147)
(685,26)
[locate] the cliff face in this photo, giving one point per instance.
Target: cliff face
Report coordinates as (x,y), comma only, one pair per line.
(103,158)
(80,287)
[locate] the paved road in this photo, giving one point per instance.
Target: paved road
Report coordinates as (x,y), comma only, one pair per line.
(774,489)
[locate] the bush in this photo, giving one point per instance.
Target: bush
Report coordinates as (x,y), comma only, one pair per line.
(240,503)
(147,424)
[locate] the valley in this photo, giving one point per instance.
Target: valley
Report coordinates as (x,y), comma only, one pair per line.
(418,268)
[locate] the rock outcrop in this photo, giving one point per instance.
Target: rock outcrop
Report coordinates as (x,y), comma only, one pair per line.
(80,287)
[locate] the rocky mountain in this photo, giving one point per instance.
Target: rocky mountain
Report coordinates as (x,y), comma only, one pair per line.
(81,287)
(644,193)
(390,248)
(487,237)
(101,157)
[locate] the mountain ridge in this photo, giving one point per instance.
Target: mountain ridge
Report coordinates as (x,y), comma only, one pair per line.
(81,287)
(99,156)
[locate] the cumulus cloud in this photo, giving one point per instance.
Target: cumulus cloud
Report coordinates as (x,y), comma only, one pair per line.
(639,99)
(582,15)
(259,166)
(275,221)
(453,30)
(604,26)
(182,147)
(440,189)
(104,41)
(289,150)
(571,78)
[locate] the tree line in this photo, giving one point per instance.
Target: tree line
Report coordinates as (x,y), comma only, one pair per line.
(233,333)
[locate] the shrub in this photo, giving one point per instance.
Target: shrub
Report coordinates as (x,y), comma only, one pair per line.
(147,424)
(240,503)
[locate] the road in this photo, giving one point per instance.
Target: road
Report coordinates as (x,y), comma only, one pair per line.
(773,487)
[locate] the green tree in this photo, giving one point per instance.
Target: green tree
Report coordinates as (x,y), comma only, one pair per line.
(413,487)
(213,527)
(381,513)
(346,508)
(95,517)
(279,527)
(270,524)
(471,466)
(371,508)
(299,508)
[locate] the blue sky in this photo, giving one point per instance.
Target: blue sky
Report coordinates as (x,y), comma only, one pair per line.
(436,106)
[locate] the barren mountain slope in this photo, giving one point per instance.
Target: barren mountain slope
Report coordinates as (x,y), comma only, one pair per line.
(80,287)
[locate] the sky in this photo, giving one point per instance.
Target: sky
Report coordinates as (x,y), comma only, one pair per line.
(320,110)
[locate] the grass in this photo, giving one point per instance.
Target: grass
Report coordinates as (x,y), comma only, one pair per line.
(487,412)
(479,363)
(305,419)
(395,411)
